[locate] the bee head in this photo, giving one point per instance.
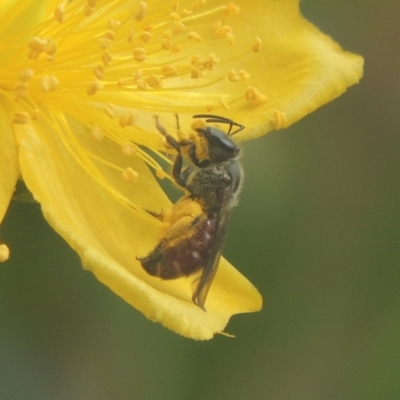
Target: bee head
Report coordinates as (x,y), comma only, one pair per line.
(220,145)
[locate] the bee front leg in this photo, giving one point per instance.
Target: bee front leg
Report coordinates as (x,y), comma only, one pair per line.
(177,173)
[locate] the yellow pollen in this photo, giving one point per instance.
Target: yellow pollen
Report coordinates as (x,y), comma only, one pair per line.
(114,24)
(98,72)
(139,54)
(4,252)
(280,120)
(97,133)
(141,13)
(130,175)
(106,58)
(169,70)
(59,14)
(186,12)
(257,45)
(145,36)
(21,117)
(129,149)
(194,36)
(49,83)
(231,10)
(254,96)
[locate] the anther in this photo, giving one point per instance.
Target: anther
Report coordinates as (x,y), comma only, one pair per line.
(4,252)
(231,10)
(233,76)
(21,117)
(145,36)
(127,120)
(98,72)
(254,96)
(257,45)
(49,83)
(194,36)
(129,149)
(141,13)
(59,14)
(178,27)
(114,24)
(139,54)
(37,44)
(26,74)
(280,119)
(160,173)
(97,133)
(106,58)
(154,82)
(104,43)
(244,75)
(21,89)
(130,175)
(169,70)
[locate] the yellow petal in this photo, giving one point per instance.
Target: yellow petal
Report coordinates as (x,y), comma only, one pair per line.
(109,236)
(9,169)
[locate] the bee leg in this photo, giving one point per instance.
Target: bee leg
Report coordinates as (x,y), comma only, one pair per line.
(178,163)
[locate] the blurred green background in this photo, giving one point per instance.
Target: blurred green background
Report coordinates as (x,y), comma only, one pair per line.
(317,231)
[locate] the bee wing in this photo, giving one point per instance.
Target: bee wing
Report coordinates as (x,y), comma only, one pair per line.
(212,262)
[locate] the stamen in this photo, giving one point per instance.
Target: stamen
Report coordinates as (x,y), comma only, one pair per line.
(21,117)
(254,96)
(140,14)
(130,175)
(4,252)
(106,58)
(59,14)
(231,10)
(139,54)
(129,149)
(257,45)
(98,72)
(26,74)
(97,133)
(49,83)
(280,120)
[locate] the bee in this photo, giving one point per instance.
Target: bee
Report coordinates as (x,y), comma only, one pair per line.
(198,221)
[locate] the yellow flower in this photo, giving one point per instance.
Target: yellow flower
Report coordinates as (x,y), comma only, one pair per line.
(80,84)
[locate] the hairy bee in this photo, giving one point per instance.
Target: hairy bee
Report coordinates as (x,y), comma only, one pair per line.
(198,221)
